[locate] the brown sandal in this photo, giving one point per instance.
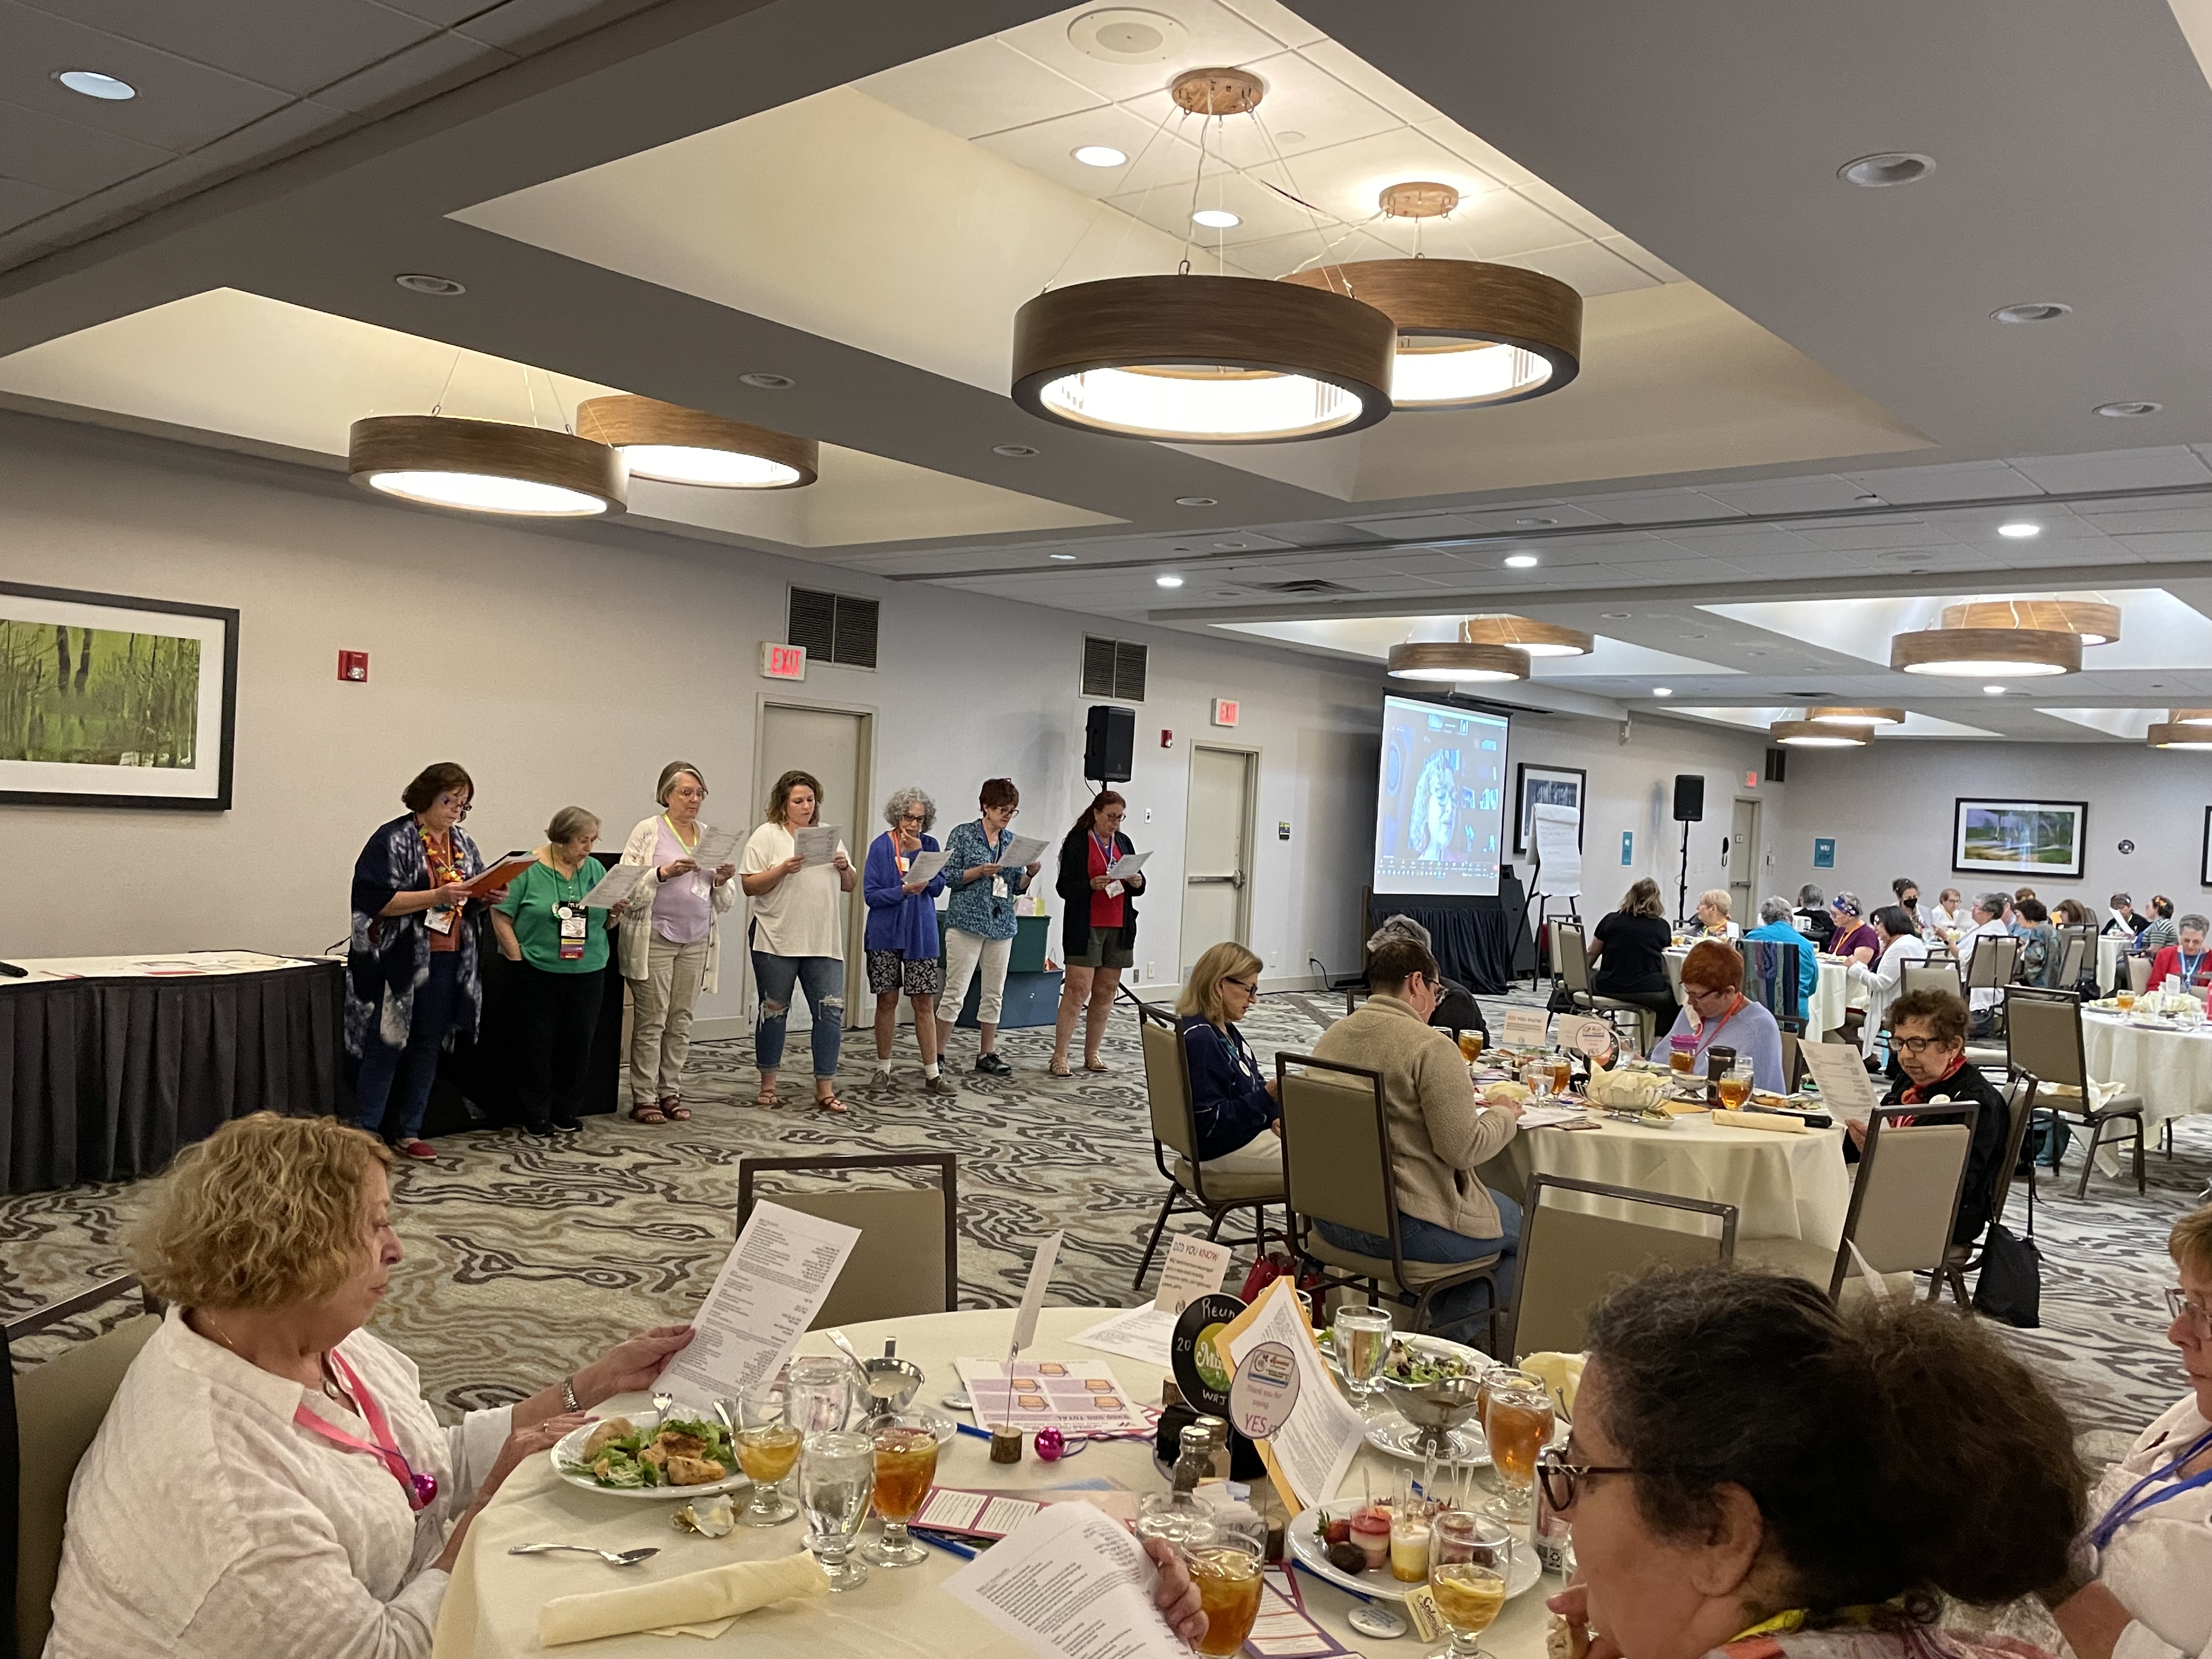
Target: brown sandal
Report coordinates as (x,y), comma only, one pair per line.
(676,1111)
(645,1113)
(830,1103)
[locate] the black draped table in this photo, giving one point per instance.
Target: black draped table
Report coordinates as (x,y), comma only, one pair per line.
(109,1063)
(1474,938)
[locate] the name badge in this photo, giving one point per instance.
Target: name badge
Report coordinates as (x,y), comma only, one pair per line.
(998,887)
(574,920)
(440,921)
(1113,890)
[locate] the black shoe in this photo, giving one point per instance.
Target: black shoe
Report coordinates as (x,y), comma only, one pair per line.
(991,1066)
(539,1131)
(567,1126)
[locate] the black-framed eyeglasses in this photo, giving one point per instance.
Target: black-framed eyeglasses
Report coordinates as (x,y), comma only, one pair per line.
(1920,1045)
(1250,987)
(463,805)
(914,817)
(2179,1303)
(1560,1478)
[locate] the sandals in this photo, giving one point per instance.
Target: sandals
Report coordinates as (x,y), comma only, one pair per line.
(1094,1066)
(768,1099)
(647,1112)
(1058,1068)
(674,1107)
(830,1103)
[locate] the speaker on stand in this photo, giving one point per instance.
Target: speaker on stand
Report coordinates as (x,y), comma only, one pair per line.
(1689,809)
(1109,743)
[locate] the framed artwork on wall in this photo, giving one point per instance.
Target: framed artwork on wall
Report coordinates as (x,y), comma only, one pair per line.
(1548,786)
(2019,837)
(108,700)
(2204,859)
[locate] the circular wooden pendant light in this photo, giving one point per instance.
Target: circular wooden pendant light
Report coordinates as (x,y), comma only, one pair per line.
(1444,659)
(1537,639)
(1826,716)
(1961,652)
(2097,623)
(676,445)
(486,466)
(2189,716)
(2177,734)
(1812,734)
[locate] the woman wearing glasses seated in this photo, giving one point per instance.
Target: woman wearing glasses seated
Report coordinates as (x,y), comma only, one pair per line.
(2136,1583)
(1928,1041)
(1716,1014)
(1233,1105)
(1753,1472)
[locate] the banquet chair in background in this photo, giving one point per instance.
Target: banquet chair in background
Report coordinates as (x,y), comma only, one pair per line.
(2043,1035)
(907,1260)
(1191,1191)
(1941,976)
(48,1417)
(1575,1246)
(1571,957)
(1960,1259)
(2139,974)
(1770,978)
(2077,957)
(1337,1168)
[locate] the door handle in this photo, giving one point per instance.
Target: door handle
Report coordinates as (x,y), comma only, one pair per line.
(1235,880)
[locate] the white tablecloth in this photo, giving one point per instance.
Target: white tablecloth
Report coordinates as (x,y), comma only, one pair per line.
(178,964)
(1783,1186)
(2109,958)
(491,1612)
(2171,1068)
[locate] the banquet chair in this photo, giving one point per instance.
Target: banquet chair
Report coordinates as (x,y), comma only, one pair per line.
(1337,1168)
(907,1260)
(48,1417)
(1960,1259)
(1932,976)
(2139,974)
(2077,957)
(1191,1191)
(2042,1036)
(1570,955)
(1574,1247)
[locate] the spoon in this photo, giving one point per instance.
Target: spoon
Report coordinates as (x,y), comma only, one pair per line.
(612,1558)
(845,1348)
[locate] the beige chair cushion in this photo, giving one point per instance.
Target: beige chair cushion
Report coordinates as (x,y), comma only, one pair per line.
(1417,1273)
(897,1267)
(2066,1098)
(1798,1257)
(1221,1186)
(59,1407)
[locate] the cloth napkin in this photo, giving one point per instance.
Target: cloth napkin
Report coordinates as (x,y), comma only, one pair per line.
(1778,1122)
(696,1598)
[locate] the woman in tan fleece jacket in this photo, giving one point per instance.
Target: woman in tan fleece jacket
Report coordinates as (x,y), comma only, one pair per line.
(1439,1132)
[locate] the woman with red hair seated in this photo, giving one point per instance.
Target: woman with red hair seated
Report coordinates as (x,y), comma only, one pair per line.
(1716,1014)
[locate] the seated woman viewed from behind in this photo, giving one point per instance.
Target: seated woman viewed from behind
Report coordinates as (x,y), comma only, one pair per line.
(1716,1014)
(1628,953)
(1231,1100)
(1753,1473)
(1776,927)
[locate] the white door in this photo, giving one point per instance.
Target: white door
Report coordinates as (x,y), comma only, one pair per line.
(1217,853)
(1743,865)
(837,745)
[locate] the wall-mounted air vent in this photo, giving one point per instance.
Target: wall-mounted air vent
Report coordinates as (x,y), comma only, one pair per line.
(1113,668)
(834,627)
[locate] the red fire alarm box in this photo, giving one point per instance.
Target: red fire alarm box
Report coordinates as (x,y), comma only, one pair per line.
(354,666)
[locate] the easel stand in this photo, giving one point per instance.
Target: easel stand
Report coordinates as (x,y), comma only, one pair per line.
(1682,885)
(1573,912)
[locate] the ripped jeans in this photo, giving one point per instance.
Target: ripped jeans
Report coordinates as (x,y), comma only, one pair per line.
(823,978)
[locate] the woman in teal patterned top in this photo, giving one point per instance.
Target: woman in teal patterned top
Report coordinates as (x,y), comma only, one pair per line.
(979,918)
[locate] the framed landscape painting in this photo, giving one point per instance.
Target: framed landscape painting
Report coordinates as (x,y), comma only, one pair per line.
(2019,837)
(106,701)
(1544,786)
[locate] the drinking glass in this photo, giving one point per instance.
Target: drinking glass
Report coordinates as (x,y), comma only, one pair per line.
(1470,1560)
(1362,1342)
(1225,1559)
(836,1478)
(2125,999)
(767,1447)
(1516,1420)
(1470,1046)
(1735,1087)
(1563,1073)
(1682,1058)
(820,1390)
(906,1465)
(1409,1540)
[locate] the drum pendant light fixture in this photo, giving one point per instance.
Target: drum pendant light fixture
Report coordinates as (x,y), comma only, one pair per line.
(1862,717)
(1812,734)
(1440,660)
(486,466)
(1536,639)
(675,444)
(2096,621)
(1199,359)
(2176,733)
(2189,716)
(2003,643)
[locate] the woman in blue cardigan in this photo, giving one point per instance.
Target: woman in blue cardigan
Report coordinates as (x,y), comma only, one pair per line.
(902,939)
(1234,1105)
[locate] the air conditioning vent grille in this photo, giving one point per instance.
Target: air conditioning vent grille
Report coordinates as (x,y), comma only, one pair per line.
(834,628)
(1113,669)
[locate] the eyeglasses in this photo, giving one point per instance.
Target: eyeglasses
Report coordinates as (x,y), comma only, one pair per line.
(1560,1478)
(1920,1045)
(462,803)
(2200,1317)
(1250,987)
(914,817)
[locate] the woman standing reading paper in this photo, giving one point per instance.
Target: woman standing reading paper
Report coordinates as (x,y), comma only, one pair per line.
(673,951)
(798,942)
(1098,933)
(979,918)
(903,933)
(559,949)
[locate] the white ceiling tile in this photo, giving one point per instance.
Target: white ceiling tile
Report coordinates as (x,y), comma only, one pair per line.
(1415,529)
(1502,224)
(1643,259)
(982,87)
(1347,179)
(1467,147)
(1589,268)
(2118,469)
(1278,20)
(1158,159)
(1565,208)
(1261,213)
(277,42)
(2166,519)
(1909,486)
(1819,494)
(1363,77)
(1655,505)
(524,27)
(1279,256)
(1869,537)
(1217,35)
(181,104)
(22,203)
(1300,99)
(440,57)
(1749,543)
(56,155)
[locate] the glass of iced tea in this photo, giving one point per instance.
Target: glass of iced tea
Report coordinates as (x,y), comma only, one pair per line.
(906,1465)
(768,1444)
(1516,1420)
(1682,1058)
(1470,1046)
(1470,1560)
(1224,1563)
(1735,1087)
(1562,1073)
(2125,999)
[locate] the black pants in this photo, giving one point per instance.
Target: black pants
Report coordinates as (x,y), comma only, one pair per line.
(1660,1001)
(555,1017)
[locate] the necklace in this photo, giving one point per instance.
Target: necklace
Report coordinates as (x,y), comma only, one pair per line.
(322,1361)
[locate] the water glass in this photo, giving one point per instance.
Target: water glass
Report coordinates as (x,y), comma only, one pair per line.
(1470,1564)
(820,1389)
(1362,1344)
(767,1446)
(836,1479)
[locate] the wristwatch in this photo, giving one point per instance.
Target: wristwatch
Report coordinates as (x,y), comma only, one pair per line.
(568,1402)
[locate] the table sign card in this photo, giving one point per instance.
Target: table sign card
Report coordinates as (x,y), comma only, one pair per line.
(1309,1455)
(769,1289)
(1525,1028)
(1845,1089)
(1195,1268)
(1283,1629)
(1069,1584)
(1587,1036)
(973,1514)
(1075,1396)
(1026,1318)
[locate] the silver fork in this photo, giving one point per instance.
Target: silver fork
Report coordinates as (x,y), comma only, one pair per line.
(612,1558)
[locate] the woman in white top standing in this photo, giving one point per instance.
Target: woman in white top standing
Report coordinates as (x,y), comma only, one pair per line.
(269,1482)
(797,941)
(1901,943)
(671,945)
(2136,1588)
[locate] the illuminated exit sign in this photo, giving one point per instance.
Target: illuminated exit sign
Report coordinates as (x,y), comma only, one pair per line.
(782,662)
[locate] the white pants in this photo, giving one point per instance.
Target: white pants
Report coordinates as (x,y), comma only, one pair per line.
(961,952)
(661,1018)
(1262,1155)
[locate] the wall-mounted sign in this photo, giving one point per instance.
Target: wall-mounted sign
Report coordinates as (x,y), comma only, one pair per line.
(1283,831)
(1627,847)
(1824,853)
(782,662)
(1224,711)
(1751,780)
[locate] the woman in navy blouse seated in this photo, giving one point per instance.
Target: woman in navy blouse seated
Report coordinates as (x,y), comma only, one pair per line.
(1235,1106)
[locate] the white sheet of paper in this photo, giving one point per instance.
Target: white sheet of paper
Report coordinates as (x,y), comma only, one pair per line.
(1845,1089)
(816,843)
(1069,1584)
(922,867)
(717,846)
(1048,1252)
(1324,1433)
(1558,831)
(1195,1268)
(1126,865)
(1023,851)
(1551,1117)
(1144,1333)
(1525,1028)
(618,885)
(771,1285)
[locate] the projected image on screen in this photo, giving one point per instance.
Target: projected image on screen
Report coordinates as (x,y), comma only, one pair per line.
(1440,804)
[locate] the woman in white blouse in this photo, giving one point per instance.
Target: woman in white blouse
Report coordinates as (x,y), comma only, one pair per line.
(269,1482)
(1901,943)
(2137,1586)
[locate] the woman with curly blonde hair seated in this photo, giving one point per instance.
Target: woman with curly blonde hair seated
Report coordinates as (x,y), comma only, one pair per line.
(269,1482)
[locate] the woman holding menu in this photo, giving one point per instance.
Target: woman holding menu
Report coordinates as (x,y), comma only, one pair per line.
(671,953)
(1098,933)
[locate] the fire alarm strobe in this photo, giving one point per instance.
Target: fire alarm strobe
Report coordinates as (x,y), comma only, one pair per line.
(353,665)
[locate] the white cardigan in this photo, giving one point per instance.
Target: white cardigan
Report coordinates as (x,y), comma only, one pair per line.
(2157,1565)
(634,941)
(1885,982)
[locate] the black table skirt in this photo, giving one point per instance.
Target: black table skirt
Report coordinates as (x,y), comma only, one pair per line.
(103,1080)
(1473,938)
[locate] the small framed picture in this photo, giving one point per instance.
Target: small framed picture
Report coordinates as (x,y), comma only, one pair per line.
(2019,837)
(1544,786)
(2204,860)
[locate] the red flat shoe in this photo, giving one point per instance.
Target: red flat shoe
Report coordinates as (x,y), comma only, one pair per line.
(419,1149)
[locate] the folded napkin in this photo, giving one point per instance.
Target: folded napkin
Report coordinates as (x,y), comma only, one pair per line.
(1779,1122)
(696,1598)
(1561,1373)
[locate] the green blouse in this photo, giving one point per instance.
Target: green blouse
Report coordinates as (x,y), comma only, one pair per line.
(531,902)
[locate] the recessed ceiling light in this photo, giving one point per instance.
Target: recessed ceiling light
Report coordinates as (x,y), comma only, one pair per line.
(2035,311)
(93,84)
(1227,547)
(1662,690)
(1290,137)
(1062,558)
(1614,615)
(2128,412)
(1524,522)
(1167,581)
(1196,500)
(1012,451)
(1994,690)
(1101,156)
(421,282)
(1215,218)
(767,382)
(1892,167)
(2019,531)
(1522,561)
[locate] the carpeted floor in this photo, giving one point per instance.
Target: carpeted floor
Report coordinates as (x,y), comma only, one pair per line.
(524,1258)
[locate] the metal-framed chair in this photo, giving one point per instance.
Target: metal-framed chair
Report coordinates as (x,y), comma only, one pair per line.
(908,1258)
(1571,957)
(1191,1190)
(2042,1036)
(1960,1259)
(1338,1167)
(2139,974)
(1574,1244)
(1932,975)
(2077,955)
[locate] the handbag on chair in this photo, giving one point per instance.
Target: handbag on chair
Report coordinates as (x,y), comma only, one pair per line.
(2010,1285)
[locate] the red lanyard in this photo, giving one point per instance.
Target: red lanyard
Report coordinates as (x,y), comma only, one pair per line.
(421,1490)
(1705,1039)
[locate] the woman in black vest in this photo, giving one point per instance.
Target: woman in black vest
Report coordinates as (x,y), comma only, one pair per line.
(1098,928)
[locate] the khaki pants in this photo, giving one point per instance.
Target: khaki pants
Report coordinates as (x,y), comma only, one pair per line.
(963,950)
(661,1018)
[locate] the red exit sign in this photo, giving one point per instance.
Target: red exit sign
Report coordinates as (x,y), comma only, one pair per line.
(782,662)
(1224,711)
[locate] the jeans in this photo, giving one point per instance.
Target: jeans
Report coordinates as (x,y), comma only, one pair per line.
(823,979)
(426,1024)
(1424,1241)
(555,1017)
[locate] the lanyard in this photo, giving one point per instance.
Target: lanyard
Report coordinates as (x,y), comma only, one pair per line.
(421,1490)
(2188,965)
(2131,1505)
(677,835)
(1705,1039)
(448,867)
(1105,848)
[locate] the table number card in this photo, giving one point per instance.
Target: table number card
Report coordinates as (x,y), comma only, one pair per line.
(1525,1028)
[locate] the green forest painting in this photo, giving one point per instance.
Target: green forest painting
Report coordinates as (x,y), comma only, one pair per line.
(98,696)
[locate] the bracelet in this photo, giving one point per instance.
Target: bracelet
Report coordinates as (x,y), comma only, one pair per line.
(568,1394)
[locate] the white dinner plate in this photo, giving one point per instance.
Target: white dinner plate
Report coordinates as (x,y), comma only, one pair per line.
(569,1448)
(1305,1543)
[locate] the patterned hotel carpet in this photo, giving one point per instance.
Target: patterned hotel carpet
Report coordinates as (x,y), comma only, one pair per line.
(524,1258)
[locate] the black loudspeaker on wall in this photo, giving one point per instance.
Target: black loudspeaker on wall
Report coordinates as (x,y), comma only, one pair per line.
(1689,797)
(1109,742)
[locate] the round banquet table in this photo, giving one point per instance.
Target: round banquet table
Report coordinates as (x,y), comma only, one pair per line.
(1783,1186)
(2170,1066)
(2109,958)
(491,1609)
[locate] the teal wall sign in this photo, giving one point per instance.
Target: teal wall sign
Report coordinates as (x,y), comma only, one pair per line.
(1824,853)
(1627,847)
